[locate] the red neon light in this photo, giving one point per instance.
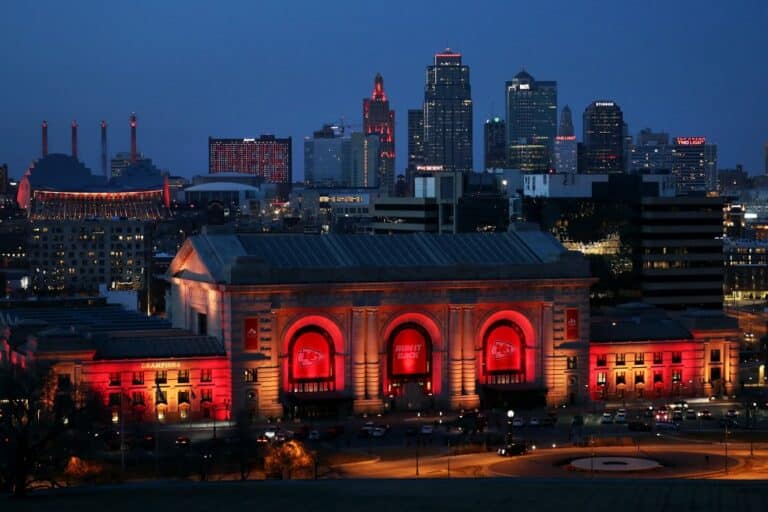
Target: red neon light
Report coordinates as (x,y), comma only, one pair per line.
(690,141)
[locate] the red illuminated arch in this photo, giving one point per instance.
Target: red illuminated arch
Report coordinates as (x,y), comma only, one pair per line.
(504,348)
(519,326)
(409,351)
(311,332)
(428,328)
(311,355)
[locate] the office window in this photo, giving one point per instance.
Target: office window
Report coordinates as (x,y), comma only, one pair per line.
(639,359)
(602,360)
(621,378)
(114,379)
(601,378)
(138,378)
(114,399)
(714,355)
(161,377)
(183,397)
(658,377)
(183,377)
(160,397)
(639,377)
(571,363)
(621,359)
(206,395)
(206,375)
(658,358)
(250,375)
(138,398)
(677,375)
(677,357)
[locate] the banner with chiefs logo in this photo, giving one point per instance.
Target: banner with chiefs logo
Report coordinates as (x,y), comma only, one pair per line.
(410,353)
(311,357)
(251,334)
(571,324)
(503,349)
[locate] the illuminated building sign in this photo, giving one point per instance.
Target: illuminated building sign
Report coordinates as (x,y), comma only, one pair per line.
(428,168)
(159,365)
(409,353)
(604,104)
(690,141)
(251,334)
(571,324)
(503,347)
(565,137)
(311,355)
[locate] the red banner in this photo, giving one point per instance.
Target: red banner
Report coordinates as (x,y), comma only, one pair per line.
(311,357)
(251,334)
(571,324)
(409,353)
(503,349)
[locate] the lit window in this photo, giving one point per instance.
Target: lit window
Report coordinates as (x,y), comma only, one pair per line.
(206,375)
(621,378)
(602,360)
(714,355)
(621,359)
(183,377)
(639,359)
(677,357)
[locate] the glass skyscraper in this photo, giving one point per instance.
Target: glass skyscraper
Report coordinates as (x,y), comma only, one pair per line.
(531,107)
(448,114)
(495,144)
(603,138)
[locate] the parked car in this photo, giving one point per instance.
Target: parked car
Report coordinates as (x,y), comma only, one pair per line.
(705,414)
(731,414)
(535,422)
(518,422)
(512,449)
(548,421)
(378,432)
(621,417)
(666,425)
(690,414)
(578,421)
(677,415)
(313,435)
(606,418)
(427,430)
(183,442)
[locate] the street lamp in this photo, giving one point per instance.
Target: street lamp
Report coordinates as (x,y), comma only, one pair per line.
(510,415)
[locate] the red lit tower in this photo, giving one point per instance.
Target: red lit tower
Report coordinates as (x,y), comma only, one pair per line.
(45,138)
(74,140)
(378,118)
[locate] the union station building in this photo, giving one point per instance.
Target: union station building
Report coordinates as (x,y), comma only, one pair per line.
(316,325)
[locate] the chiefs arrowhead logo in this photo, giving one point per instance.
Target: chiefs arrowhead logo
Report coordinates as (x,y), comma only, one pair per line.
(502,349)
(252,332)
(309,357)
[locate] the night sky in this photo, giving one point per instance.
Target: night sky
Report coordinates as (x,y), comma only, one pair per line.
(239,69)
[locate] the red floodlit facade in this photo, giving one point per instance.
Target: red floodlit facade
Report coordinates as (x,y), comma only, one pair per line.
(267,156)
(702,365)
(337,348)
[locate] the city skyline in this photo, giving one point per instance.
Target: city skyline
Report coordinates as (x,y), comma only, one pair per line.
(183,92)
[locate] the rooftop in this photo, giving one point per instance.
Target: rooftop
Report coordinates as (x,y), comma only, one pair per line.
(285,258)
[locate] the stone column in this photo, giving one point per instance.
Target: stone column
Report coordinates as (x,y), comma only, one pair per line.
(357,346)
(469,355)
(546,372)
(454,350)
(372,355)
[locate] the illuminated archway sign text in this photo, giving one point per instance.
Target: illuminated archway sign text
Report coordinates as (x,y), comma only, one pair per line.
(409,352)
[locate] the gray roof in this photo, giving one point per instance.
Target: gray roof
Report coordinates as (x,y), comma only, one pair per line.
(141,347)
(288,258)
(636,322)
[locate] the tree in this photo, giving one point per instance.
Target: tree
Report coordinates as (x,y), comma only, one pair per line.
(285,459)
(35,412)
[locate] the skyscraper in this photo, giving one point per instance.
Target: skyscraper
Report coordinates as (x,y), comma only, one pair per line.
(694,165)
(566,159)
(603,138)
(495,144)
(448,114)
(415,143)
(766,158)
(365,160)
(651,152)
(379,119)
(267,156)
(531,113)
(324,162)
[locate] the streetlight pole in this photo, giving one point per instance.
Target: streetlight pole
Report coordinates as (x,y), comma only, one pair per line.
(418,441)
(725,439)
(510,431)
